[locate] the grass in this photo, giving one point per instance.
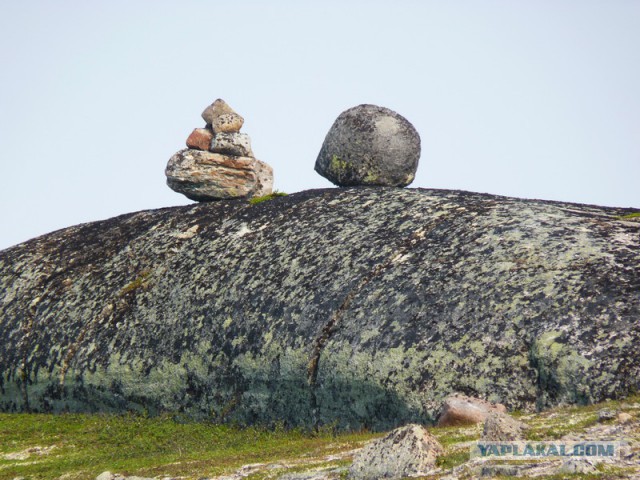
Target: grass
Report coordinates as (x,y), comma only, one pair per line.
(629,216)
(86,445)
(558,429)
(452,459)
(81,446)
(264,198)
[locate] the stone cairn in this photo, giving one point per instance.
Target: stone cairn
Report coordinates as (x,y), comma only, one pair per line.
(218,163)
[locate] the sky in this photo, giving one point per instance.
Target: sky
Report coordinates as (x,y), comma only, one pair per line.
(528,98)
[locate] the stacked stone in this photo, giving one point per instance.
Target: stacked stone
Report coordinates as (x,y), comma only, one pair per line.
(218,163)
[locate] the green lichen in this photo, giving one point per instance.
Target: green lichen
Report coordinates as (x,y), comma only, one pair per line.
(340,168)
(370,178)
(265,198)
(139,282)
(561,370)
(337,163)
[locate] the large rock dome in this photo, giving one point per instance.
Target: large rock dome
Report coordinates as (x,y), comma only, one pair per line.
(360,306)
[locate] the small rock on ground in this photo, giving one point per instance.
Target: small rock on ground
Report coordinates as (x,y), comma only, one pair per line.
(577,466)
(606,414)
(461,409)
(502,427)
(624,418)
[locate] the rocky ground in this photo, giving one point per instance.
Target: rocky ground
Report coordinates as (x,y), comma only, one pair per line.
(570,424)
(611,421)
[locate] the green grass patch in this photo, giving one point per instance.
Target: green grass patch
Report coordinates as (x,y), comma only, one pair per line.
(558,428)
(452,459)
(264,198)
(454,435)
(81,446)
(85,445)
(629,216)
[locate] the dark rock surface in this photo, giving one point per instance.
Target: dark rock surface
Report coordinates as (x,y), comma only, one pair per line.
(370,145)
(363,307)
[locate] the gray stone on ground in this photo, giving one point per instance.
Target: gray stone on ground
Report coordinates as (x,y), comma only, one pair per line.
(236,144)
(577,466)
(406,451)
(108,476)
(217,108)
(314,475)
(500,471)
(606,414)
(502,427)
(115,476)
(370,145)
(204,176)
(461,409)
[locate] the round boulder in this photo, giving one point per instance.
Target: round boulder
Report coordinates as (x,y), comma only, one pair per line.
(370,145)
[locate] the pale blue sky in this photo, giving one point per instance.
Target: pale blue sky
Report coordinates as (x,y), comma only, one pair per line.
(537,99)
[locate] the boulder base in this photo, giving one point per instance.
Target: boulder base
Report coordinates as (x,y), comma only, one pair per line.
(370,145)
(203,176)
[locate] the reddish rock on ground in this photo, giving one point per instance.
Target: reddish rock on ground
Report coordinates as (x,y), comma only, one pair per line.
(460,409)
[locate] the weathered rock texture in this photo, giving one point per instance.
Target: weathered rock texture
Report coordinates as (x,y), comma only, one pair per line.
(502,427)
(406,451)
(227,123)
(364,307)
(214,111)
(237,144)
(370,145)
(203,175)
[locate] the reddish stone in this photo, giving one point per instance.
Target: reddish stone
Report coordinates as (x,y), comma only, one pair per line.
(200,139)
(463,410)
